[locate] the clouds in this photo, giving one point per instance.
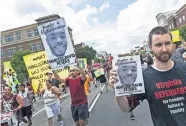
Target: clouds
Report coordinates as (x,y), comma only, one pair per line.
(130,28)
(104,6)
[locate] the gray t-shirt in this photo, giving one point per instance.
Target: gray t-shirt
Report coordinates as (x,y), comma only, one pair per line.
(177,56)
(165,92)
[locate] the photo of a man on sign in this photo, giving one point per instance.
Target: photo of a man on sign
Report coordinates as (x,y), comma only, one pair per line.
(130,77)
(57,42)
(127,72)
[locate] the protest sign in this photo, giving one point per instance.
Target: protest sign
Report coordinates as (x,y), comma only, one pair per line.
(130,76)
(37,66)
(175,36)
(99,72)
(57,43)
(10,76)
(82,63)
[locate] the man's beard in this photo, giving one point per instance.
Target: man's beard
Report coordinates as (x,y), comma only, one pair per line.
(163,57)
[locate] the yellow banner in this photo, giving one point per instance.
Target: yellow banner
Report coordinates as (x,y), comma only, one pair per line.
(37,66)
(175,36)
(9,75)
(82,63)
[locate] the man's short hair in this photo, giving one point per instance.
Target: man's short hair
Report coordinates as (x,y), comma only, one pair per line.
(8,87)
(22,85)
(159,30)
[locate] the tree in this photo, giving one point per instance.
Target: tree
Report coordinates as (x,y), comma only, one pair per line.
(98,60)
(183,32)
(86,52)
(18,65)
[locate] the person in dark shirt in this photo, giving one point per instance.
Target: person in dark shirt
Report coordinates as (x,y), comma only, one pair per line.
(165,83)
(55,82)
(79,103)
(177,55)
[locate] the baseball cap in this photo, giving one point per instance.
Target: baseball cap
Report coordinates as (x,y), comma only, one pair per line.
(50,72)
(74,68)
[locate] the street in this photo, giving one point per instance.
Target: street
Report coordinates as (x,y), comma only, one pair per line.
(106,112)
(40,118)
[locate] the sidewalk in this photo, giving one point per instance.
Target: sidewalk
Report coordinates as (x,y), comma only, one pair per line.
(41,119)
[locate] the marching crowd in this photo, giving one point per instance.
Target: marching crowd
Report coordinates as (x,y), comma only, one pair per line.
(16,106)
(166,65)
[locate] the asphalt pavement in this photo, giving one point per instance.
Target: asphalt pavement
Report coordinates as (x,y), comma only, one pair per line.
(106,112)
(40,118)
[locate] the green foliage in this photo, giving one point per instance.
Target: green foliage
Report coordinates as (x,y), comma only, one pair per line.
(18,65)
(183,32)
(97,60)
(86,52)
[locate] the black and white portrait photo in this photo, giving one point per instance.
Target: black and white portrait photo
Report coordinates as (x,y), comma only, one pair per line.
(127,72)
(57,42)
(130,77)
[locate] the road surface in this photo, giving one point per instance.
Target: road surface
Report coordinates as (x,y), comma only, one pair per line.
(107,113)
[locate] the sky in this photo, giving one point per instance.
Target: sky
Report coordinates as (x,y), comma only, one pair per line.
(115,26)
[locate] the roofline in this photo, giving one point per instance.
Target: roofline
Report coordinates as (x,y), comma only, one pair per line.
(164,12)
(18,27)
(177,12)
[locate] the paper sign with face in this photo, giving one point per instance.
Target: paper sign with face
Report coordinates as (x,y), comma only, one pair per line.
(57,42)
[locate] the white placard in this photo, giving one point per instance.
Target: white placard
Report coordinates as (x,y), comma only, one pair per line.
(130,76)
(57,43)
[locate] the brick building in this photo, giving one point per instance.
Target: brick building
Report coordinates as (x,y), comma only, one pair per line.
(174,19)
(24,38)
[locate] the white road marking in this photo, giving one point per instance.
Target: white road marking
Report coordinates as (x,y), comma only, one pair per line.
(92,105)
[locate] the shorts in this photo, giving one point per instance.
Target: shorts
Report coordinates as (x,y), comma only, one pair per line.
(80,112)
(53,110)
(102,79)
(26,111)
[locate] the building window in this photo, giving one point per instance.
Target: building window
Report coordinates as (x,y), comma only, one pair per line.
(2,54)
(33,47)
(9,38)
(29,33)
(183,18)
(20,48)
(39,46)
(18,35)
(180,20)
(11,51)
(36,32)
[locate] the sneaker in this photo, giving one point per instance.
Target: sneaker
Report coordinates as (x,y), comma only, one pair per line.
(24,120)
(61,123)
(132,117)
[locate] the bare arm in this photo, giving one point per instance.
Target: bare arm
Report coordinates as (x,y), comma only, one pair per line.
(56,91)
(82,72)
(30,100)
(20,102)
(121,100)
(39,91)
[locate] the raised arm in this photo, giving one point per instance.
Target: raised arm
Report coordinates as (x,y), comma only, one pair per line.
(39,91)
(60,79)
(82,72)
